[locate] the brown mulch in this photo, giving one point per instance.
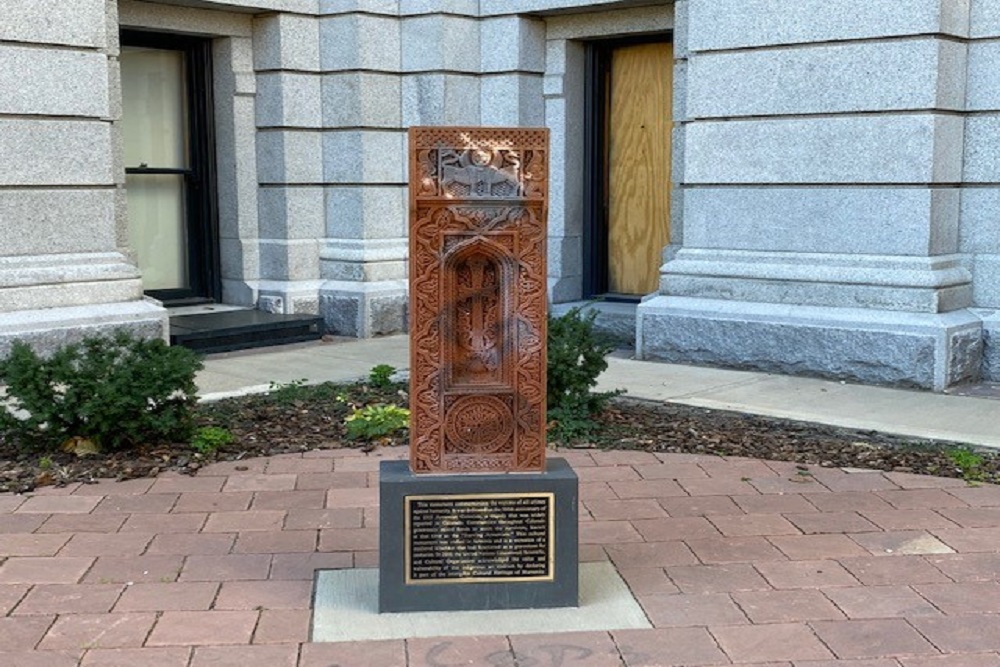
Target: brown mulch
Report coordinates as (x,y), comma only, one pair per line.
(297,419)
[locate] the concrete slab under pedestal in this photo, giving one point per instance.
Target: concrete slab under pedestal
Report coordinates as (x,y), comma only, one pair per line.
(346,609)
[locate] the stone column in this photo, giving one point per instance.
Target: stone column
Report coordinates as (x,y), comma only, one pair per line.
(64,269)
(980,232)
(290,155)
(362,261)
(821,143)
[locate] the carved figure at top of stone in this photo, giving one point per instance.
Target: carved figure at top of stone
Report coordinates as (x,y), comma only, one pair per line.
(480,173)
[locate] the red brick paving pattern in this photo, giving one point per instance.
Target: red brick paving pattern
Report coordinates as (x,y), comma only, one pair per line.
(734,562)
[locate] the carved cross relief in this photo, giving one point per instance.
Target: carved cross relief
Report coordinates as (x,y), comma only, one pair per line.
(478,206)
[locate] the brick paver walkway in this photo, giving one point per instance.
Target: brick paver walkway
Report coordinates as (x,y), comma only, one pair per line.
(733,560)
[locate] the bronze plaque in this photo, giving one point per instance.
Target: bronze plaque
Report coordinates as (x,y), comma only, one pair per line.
(478,206)
(498,537)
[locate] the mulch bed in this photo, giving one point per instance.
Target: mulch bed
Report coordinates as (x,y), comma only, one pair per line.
(297,419)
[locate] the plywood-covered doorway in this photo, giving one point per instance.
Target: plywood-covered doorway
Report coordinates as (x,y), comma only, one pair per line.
(631,121)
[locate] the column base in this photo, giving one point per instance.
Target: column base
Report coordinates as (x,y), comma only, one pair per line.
(925,350)
(364,310)
(49,329)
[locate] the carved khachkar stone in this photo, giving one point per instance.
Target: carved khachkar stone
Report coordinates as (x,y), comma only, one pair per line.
(478,204)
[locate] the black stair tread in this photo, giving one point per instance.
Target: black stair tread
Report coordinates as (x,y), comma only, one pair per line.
(228,320)
(229,330)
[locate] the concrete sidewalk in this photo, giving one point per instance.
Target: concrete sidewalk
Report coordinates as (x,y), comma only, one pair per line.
(919,414)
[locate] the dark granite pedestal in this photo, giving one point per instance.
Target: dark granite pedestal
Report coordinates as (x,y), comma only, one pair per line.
(465,542)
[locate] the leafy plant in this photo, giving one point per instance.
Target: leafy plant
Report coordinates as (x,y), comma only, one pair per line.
(380,376)
(969,462)
(45,463)
(113,392)
(208,439)
(376,421)
(576,357)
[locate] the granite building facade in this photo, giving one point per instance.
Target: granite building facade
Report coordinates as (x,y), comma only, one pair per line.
(804,186)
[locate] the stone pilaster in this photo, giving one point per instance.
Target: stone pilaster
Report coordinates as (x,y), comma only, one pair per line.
(821,145)
(64,266)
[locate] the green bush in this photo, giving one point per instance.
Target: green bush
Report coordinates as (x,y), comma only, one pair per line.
(376,421)
(576,356)
(114,391)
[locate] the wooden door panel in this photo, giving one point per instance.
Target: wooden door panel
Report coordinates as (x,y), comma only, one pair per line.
(639,124)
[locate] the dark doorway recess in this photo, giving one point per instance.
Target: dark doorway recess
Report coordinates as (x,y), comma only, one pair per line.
(168,131)
(628,122)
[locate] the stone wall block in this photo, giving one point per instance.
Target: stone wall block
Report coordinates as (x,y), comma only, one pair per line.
(181,17)
(869,76)
(77,23)
(497,8)
(956,16)
(681,21)
(440,42)
(55,152)
(982,149)
(296,259)
(917,148)
(620,20)
(387,7)
(236,136)
(286,41)
(953,75)
(983,92)
(680,92)
(286,99)
(980,220)
(362,156)
(441,99)
(240,261)
(291,212)
(369,211)
(555,56)
(991,345)
(416,7)
(512,43)
(986,281)
(38,221)
(49,82)
(290,156)
(945,220)
(512,100)
(359,41)
(984,19)
(884,221)
(732,24)
(560,222)
(361,99)
(565,257)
